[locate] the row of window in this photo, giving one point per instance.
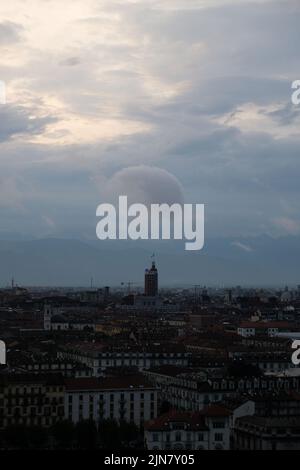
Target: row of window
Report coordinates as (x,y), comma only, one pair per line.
(121,416)
(39,421)
(34,390)
(33,411)
(112,396)
(218,437)
(32,401)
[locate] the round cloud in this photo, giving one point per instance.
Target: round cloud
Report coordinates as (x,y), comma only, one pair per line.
(143,184)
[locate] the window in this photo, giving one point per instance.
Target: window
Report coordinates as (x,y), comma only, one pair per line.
(155,437)
(178,437)
(218,437)
(200,436)
(219,425)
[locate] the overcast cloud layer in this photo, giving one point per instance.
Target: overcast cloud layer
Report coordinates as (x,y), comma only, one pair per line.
(198,88)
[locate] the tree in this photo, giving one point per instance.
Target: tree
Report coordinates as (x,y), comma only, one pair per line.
(16,437)
(86,434)
(165,407)
(37,437)
(128,432)
(63,433)
(109,434)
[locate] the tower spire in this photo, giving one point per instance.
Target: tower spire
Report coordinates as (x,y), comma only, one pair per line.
(151,280)
(153,260)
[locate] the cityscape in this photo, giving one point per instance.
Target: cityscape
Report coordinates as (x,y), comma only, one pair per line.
(159,369)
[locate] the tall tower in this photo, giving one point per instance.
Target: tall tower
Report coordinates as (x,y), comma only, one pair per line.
(151,281)
(47,317)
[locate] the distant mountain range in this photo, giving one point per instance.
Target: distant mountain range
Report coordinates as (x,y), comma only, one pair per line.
(61,262)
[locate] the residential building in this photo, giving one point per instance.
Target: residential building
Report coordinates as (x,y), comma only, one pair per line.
(177,430)
(267,433)
(249,328)
(32,400)
(127,398)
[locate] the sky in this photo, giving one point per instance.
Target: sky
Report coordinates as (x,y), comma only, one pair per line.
(161,99)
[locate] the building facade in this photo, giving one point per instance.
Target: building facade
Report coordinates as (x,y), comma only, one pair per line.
(99,361)
(267,433)
(31,400)
(177,430)
(128,398)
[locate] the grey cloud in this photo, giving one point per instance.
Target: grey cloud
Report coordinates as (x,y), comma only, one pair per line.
(286,114)
(10,32)
(142,184)
(70,61)
(15,120)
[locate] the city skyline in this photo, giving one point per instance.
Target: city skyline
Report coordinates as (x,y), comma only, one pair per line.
(252,262)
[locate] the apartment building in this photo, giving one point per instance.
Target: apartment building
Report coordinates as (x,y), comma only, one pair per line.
(249,328)
(267,433)
(31,400)
(127,398)
(188,391)
(178,430)
(100,360)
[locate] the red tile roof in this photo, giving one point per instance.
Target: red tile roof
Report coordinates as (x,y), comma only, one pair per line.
(108,383)
(193,420)
(215,411)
